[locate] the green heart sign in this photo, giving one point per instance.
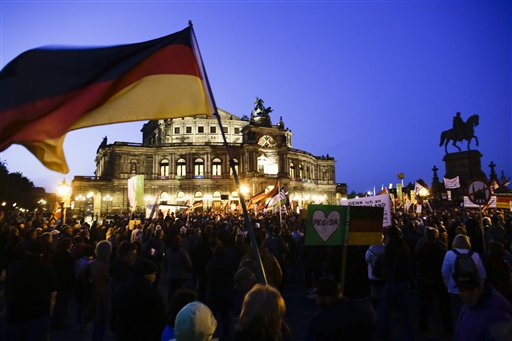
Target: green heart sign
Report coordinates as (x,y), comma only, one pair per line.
(326,225)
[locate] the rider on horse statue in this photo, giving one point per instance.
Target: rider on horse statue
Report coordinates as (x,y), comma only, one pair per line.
(458,126)
(461,131)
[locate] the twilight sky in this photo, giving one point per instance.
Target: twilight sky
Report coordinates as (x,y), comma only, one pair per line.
(372,83)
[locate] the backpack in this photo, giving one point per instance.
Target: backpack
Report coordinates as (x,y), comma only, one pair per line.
(464,264)
(377,266)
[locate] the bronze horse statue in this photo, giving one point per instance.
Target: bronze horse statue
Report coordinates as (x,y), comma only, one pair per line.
(466,133)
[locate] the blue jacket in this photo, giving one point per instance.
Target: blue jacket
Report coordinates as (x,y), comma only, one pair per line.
(490,319)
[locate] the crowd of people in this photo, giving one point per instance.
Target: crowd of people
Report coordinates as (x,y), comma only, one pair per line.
(113,275)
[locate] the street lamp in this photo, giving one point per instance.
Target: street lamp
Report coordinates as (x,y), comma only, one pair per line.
(107,199)
(64,191)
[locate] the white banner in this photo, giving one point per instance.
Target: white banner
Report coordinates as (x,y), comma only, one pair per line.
(375,201)
(451,183)
(469,204)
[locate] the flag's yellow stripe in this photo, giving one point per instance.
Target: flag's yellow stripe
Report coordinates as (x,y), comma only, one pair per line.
(152,97)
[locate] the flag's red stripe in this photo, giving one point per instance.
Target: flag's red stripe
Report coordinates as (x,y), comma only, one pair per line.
(365,225)
(62,111)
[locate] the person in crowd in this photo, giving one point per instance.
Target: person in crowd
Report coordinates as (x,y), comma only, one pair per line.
(83,286)
(178,266)
(340,318)
(153,250)
(374,257)
(195,322)
(273,271)
(429,259)
(64,266)
(121,269)
(219,294)
(460,244)
(397,274)
(498,270)
(30,293)
(138,309)
(181,298)
(100,295)
(262,316)
(485,315)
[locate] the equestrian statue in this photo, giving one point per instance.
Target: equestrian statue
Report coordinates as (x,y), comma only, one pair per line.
(461,131)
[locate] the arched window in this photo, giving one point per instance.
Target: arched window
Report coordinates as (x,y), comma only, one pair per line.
(292,170)
(216,168)
(198,195)
(301,172)
(181,168)
(164,167)
(199,168)
(236,167)
(324,175)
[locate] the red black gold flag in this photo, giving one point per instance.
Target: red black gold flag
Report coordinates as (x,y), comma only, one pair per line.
(47,92)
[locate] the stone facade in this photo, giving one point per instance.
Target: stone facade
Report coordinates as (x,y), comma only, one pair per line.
(184,160)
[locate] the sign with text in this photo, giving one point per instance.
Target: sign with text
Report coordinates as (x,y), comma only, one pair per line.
(374,201)
(326,225)
(469,204)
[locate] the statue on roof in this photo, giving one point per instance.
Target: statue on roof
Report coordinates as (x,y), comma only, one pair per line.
(102,145)
(260,114)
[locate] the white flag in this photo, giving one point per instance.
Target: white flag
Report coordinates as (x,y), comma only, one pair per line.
(418,188)
(451,183)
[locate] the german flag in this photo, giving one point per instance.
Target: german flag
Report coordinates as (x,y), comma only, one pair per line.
(197,204)
(365,226)
(47,92)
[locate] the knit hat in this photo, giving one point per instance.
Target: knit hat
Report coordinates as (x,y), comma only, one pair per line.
(194,322)
(145,267)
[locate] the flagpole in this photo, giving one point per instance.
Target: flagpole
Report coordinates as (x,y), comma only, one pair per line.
(247,220)
(279,203)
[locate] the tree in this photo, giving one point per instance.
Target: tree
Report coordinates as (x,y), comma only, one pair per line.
(16,188)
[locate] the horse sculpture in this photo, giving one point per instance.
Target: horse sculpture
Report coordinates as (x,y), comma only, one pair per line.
(466,133)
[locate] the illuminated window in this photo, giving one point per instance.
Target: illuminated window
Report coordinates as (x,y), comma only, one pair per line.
(199,168)
(181,167)
(236,167)
(164,167)
(216,167)
(292,170)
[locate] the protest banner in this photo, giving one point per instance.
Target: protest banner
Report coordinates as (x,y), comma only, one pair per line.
(375,201)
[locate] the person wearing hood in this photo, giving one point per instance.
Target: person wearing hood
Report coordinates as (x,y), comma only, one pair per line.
(138,309)
(194,322)
(485,315)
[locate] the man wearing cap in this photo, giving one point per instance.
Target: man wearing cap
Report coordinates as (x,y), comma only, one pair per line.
(138,310)
(485,315)
(30,292)
(340,318)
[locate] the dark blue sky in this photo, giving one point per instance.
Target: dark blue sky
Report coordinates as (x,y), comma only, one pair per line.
(372,83)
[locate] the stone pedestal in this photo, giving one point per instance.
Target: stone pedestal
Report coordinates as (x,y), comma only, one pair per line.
(466,165)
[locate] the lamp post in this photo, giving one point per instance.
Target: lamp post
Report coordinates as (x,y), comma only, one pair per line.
(64,192)
(107,199)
